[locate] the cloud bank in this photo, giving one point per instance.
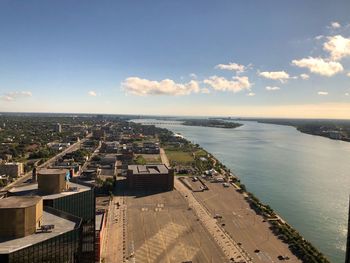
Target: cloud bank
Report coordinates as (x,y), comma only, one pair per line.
(338,47)
(335,25)
(275,75)
(144,87)
(322,93)
(92,93)
(304,76)
(319,66)
(232,66)
(272,88)
(11,96)
(237,84)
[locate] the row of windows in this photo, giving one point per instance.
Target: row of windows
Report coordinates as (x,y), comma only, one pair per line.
(80,204)
(60,249)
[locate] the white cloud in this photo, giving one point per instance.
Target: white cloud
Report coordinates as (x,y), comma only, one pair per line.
(6,98)
(322,93)
(338,47)
(11,96)
(348,74)
(251,94)
(319,37)
(193,76)
(272,88)
(347,94)
(335,25)
(222,84)
(232,66)
(304,76)
(144,87)
(92,93)
(319,66)
(205,91)
(275,75)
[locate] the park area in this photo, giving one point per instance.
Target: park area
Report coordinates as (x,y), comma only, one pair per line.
(147,159)
(187,159)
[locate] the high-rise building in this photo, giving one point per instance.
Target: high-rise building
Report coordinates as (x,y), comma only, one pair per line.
(75,199)
(30,233)
(58,128)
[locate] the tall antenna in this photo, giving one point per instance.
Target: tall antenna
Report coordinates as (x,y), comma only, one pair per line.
(347,257)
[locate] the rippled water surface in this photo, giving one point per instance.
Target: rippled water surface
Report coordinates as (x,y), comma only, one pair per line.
(305,178)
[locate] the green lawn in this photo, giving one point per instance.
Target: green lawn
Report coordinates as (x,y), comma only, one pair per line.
(147,159)
(201,153)
(179,157)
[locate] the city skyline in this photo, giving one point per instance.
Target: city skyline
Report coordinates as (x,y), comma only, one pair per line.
(230,58)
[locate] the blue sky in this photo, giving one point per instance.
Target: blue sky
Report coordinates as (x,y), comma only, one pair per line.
(232,58)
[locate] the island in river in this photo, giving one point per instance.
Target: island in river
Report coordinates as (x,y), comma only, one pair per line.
(332,129)
(211,123)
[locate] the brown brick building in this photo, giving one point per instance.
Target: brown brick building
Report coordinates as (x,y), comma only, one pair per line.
(150,177)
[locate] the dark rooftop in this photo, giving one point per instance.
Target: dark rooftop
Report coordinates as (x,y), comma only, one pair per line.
(149,169)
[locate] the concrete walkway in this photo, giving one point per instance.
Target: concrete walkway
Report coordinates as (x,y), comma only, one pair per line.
(114,243)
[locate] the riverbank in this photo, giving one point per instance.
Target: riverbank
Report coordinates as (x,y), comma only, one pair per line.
(331,129)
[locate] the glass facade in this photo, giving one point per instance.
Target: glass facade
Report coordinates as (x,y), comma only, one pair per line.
(63,248)
(81,204)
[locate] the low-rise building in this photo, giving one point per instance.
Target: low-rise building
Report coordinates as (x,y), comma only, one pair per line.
(6,157)
(109,147)
(4,179)
(13,170)
(147,148)
(99,134)
(336,135)
(150,177)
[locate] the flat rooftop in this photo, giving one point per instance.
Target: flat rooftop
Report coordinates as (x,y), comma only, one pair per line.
(61,226)
(149,169)
(19,201)
(11,163)
(52,171)
(32,189)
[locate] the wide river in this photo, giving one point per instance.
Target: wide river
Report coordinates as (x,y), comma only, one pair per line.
(305,178)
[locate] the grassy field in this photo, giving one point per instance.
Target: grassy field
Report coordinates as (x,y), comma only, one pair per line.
(201,153)
(147,159)
(179,157)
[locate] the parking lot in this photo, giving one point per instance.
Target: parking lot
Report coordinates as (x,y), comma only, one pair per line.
(161,228)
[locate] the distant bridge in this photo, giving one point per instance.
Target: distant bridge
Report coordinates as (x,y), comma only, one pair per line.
(160,123)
